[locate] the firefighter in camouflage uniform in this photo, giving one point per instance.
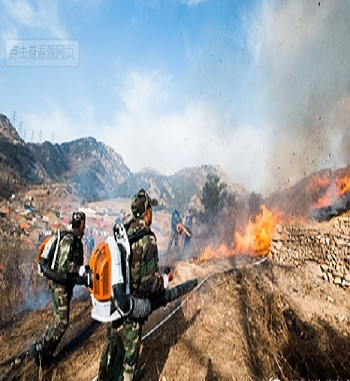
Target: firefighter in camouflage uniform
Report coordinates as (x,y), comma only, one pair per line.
(121,349)
(69,260)
(174,235)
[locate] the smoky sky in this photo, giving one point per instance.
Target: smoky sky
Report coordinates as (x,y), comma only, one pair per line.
(303,50)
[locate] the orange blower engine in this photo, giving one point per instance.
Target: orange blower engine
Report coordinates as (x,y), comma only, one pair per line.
(107,268)
(110,289)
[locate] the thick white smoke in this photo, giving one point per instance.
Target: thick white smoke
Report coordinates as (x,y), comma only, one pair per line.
(303,50)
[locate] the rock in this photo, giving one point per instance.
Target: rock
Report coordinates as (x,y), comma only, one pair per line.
(337,274)
(314,268)
(324,267)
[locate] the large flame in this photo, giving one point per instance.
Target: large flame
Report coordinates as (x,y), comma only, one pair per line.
(254,240)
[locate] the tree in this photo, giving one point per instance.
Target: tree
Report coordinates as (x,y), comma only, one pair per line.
(215,197)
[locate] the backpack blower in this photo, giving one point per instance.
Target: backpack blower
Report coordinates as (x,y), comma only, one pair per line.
(110,285)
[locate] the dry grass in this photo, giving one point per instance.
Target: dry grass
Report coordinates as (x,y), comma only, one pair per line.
(21,284)
(244,324)
(280,342)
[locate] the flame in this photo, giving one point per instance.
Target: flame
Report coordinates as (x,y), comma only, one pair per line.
(318,182)
(334,191)
(257,236)
(255,239)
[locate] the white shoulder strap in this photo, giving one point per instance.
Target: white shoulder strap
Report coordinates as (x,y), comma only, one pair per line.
(122,239)
(56,250)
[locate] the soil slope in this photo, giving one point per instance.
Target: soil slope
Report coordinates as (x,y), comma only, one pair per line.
(243,322)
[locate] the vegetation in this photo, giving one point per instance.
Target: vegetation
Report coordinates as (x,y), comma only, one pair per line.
(215,198)
(52,158)
(19,159)
(20,284)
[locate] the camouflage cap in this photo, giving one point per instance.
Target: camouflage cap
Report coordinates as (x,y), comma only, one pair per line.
(77,217)
(141,202)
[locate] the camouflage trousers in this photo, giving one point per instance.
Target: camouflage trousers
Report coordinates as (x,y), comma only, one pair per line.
(121,351)
(173,237)
(61,297)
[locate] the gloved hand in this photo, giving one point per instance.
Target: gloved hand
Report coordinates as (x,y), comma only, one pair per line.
(83,270)
(85,279)
(166,279)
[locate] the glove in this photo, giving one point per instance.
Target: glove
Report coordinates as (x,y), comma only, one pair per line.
(83,270)
(166,279)
(84,280)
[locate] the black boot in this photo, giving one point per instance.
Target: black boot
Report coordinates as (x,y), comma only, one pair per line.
(40,358)
(35,354)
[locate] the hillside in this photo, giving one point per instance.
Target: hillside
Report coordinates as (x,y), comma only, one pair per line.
(248,319)
(93,171)
(183,189)
(251,323)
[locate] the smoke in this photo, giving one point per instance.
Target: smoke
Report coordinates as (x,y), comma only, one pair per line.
(303,51)
(37,299)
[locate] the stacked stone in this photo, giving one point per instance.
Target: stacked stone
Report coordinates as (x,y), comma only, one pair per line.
(326,244)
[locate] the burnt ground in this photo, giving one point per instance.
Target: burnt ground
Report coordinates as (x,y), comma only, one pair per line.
(251,323)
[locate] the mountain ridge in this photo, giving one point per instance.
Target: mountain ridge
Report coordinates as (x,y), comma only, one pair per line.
(94,171)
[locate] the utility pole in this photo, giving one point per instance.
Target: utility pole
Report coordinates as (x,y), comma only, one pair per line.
(20,128)
(32,137)
(14,118)
(40,136)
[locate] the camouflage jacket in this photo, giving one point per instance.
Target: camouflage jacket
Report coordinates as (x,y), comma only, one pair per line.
(145,279)
(188,223)
(71,253)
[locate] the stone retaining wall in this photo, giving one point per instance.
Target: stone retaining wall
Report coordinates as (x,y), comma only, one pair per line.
(327,244)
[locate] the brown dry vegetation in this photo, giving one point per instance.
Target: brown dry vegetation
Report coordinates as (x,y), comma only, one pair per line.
(250,323)
(243,322)
(19,280)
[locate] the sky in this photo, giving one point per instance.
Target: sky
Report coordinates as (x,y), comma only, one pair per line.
(259,88)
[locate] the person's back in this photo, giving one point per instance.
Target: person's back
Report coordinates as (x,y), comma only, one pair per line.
(188,222)
(174,235)
(69,260)
(71,253)
(175,219)
(121,350)
(145,282)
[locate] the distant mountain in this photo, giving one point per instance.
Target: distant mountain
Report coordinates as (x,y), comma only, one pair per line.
(94,171)
(18,163)
(92,168)
(181,190)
